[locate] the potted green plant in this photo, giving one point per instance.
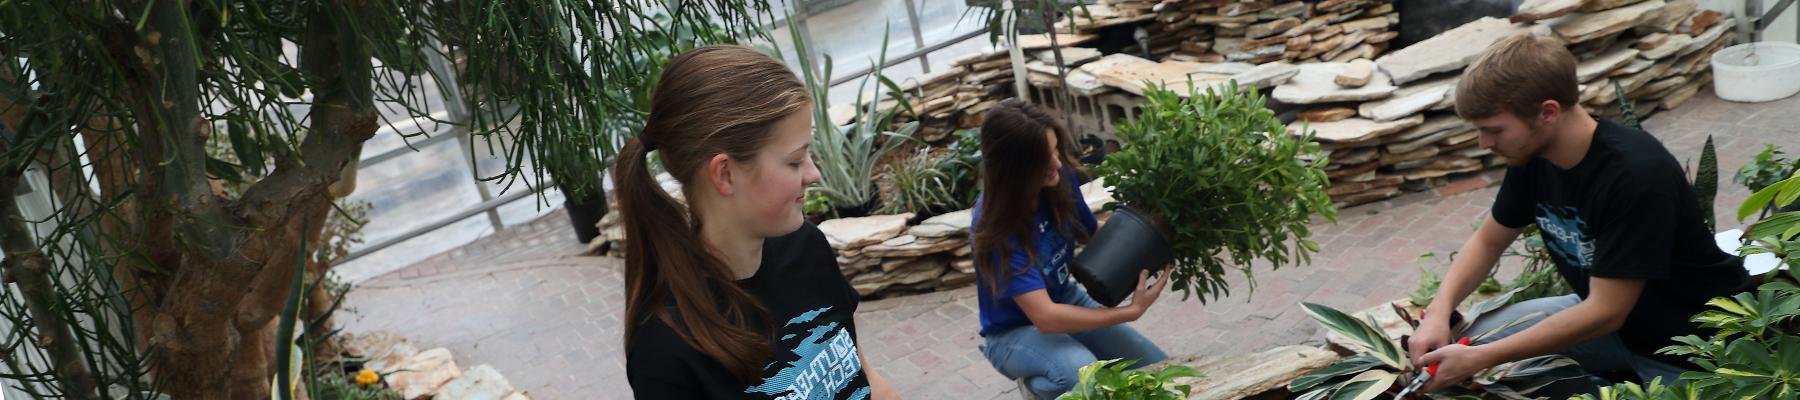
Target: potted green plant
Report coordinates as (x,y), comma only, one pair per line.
(1380,366)
(846,155)
(1110,379)
(1210,181)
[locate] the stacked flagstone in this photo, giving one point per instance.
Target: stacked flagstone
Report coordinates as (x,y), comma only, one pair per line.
(1256,32)
(1388,124)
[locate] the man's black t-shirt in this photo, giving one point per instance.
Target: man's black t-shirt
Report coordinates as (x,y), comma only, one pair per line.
(1626,211)
(814,344)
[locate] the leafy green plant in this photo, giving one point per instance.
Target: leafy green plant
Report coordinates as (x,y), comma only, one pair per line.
(1753,351)
(341,387)
(964,166)
(1225,178)
(816,203)
(1753,354)
(1380,364)
(1110,379)
(1655,390)
(921,184)
(1774,234)
(1428,287)
(1764,169)
(1538,277)
(846,155)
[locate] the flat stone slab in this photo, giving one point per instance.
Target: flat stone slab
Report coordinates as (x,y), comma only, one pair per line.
(852,233)
(479,383)
(1266,75)
(1580,28)
(1356,73)
(1072,56)
(1358,129)
(1604,64)
(1316,83)
(1669,46)
(1533,10)
(1398,107)
(1448,51)
(947,224)
(1433,125)
(1244,375)
(1707,38)
(1229,68)
(1327,114)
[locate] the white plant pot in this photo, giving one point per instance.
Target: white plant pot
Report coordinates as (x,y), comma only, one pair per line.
(1773,74)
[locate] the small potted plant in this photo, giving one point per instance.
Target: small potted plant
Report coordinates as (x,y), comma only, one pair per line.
(1208,181)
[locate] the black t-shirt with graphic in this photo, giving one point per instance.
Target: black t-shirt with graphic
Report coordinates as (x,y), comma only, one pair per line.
(1626,211)
(814,343)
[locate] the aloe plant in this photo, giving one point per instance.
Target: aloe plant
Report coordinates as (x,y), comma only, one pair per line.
(846,155)
(921,184)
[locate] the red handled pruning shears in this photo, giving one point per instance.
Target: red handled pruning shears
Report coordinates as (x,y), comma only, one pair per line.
(1419,381)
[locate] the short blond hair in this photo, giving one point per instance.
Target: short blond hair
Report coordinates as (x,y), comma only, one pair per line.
(1514,75)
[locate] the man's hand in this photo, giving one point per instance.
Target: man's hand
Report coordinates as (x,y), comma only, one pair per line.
(1456,363)
(1431,334)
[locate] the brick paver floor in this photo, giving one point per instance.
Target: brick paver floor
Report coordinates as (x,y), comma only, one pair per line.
(523,301)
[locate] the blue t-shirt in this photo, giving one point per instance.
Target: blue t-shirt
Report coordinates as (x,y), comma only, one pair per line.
(1050,273)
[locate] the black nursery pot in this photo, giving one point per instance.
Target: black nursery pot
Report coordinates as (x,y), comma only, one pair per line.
(585,214)
(1109,266)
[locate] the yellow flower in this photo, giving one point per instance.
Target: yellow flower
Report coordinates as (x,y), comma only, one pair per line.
(367,377)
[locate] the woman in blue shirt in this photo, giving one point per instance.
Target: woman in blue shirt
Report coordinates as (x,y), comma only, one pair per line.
(1040,327)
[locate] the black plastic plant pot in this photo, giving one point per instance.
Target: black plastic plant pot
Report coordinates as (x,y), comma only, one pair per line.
(585,214)
(1130,242)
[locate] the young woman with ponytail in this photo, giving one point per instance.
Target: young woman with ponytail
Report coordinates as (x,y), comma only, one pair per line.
(733,295)
(1039,327)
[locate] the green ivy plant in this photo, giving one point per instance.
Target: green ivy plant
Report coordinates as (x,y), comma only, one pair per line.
(1537,279)
(1110,379)
(1226,179)
(1765,169)
(1655,390)
(964,166)
(816,203)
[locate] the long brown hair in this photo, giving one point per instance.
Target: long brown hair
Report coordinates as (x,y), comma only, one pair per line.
(1013,143)
(710,100)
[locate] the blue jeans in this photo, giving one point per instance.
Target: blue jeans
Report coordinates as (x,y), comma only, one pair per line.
(1049,361)
(1604,355)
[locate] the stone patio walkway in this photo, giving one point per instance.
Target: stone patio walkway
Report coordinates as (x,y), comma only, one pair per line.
(522,301)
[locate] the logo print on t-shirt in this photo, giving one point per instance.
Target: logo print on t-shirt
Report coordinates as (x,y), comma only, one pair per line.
(1566,234)
(826,364)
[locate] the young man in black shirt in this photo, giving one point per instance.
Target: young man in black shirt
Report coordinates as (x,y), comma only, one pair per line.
(1616,212)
